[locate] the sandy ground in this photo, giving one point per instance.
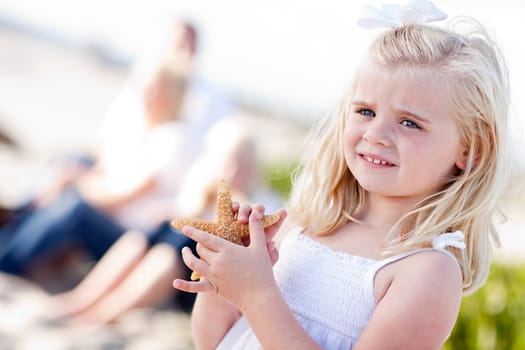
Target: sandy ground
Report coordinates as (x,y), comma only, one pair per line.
(160,328)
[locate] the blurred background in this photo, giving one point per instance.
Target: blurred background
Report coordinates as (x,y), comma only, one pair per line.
(63,63)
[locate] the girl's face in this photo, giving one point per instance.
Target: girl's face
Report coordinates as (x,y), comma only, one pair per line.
(400,139)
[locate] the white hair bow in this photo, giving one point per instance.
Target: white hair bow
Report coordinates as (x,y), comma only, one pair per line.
(390,16)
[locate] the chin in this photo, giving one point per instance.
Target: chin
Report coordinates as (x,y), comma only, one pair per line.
(385,190)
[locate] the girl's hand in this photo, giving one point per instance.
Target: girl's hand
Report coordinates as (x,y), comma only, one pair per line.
(229,269)
(243,213)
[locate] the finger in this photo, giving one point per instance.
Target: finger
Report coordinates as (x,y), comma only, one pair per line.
(270,231)
(212,285)
(257,236)
(204,253)
(244,213)
(194,287)
(235,209)
(208,240)
(235,206)
(195,264)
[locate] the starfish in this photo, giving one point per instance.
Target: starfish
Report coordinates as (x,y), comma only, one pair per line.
(226,225)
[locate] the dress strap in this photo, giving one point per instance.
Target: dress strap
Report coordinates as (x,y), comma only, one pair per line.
(453,239)
(439,243)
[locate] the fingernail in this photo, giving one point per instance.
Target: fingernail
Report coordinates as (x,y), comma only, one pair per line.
(257,215)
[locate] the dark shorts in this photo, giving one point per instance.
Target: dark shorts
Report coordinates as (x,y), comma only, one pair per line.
(165,233)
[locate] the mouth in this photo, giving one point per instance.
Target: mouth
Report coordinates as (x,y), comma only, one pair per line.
(372,159)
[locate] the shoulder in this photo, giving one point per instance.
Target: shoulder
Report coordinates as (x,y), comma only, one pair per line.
(421,304)
(431,278)
(425,275)
(430,265)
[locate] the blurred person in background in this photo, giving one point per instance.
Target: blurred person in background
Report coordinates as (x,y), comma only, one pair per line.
(205,102)
(138,269)
(124,124)
(7,211)
(92,210)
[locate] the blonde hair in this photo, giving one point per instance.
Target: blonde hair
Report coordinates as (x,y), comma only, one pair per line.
(226,138)
(326,195)
(174,80)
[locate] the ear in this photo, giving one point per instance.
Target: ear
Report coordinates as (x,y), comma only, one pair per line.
(464,151)
(461,160)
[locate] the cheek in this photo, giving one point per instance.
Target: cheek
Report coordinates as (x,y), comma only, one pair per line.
(438,161)
(350,140)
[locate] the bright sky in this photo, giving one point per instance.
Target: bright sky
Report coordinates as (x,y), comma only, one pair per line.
(299,54)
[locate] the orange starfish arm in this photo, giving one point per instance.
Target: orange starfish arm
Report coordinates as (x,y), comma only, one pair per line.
(224,204)
(203,225)
(225,226)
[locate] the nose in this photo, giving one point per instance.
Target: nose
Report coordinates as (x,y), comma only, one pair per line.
(378,132)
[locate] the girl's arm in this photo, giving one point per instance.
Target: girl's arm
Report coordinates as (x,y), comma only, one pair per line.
(211,318)
(272,320)
(420,306)
(244,277)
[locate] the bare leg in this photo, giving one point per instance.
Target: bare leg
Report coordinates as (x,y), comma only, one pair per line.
(150,283)
(106,275)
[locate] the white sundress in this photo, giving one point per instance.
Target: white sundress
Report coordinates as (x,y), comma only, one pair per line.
(331,293)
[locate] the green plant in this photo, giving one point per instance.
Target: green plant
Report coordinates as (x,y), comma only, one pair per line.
(494,316)
(279,177)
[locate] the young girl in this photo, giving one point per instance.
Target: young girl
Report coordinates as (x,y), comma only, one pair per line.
(392,213)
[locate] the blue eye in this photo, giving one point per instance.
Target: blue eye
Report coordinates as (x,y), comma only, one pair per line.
(410,124)
(366,112)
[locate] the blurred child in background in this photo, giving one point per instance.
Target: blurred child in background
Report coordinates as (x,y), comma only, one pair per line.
(138,269)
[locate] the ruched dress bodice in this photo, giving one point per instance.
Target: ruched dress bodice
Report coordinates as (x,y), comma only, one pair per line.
(331,293)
